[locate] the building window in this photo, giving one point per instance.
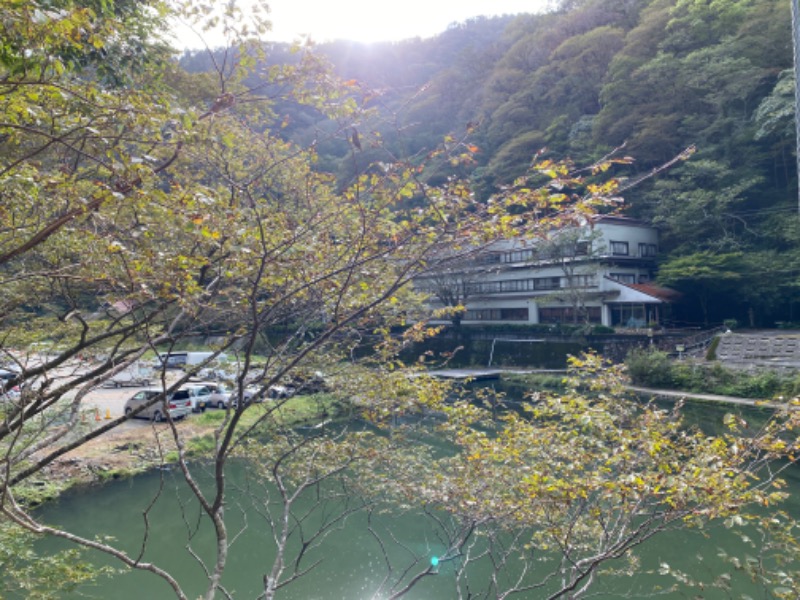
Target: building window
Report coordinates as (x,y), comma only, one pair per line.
(547,283)
(619,248)
(516,285)
(647,250)
(498,287)
(581,281)
(497,314)
(644,278)
(514,314)
(623,277)
(567,314)
(489,259)
(516,256)
(628,315)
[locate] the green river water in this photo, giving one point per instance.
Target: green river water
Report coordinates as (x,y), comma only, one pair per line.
(350,560)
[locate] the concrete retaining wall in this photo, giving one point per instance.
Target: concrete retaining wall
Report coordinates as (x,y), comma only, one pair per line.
(778,351)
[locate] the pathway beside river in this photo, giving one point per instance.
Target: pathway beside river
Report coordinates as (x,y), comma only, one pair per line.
(706,397)
(484,374)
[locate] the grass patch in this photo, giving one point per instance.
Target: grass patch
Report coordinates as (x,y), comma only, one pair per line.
(111,474)
(292,412)
(297,410)
(300,410)
(34,493)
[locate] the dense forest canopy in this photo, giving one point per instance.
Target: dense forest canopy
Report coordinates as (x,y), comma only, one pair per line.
(658,76)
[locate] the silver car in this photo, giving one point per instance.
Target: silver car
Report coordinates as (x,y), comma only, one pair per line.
(176,408)
(218,395)
(248,394)
(197,394)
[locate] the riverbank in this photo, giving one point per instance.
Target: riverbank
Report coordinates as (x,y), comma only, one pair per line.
(120,452)
(137,446)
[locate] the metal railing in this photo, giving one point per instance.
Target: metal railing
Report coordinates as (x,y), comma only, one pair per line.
(698,342)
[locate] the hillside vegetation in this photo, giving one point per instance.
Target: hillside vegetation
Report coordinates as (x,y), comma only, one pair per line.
(656,75)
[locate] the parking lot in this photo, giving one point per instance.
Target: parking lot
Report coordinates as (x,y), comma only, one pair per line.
(109,403)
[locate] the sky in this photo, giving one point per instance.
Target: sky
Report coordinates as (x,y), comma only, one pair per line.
(377,20)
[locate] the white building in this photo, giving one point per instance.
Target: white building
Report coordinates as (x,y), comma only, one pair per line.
(599,274)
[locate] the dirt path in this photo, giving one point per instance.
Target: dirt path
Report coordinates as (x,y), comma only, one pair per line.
(130,448)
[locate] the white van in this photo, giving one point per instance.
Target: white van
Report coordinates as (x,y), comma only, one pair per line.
(137,374)
(178,360)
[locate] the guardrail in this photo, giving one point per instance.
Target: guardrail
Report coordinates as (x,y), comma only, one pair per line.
(698,342)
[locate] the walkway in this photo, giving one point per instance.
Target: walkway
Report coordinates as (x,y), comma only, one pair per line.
(487,374)
(705,397)
(483,374)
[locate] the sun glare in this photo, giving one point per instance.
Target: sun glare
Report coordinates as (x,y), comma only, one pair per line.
(362,21)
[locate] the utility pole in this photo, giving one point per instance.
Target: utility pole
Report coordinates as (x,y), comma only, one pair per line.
(796,44)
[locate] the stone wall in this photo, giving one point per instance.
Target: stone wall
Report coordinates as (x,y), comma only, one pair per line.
(779,351)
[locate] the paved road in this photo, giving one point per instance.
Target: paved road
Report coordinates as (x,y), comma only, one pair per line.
(108,402)
(705,397)
(495,373)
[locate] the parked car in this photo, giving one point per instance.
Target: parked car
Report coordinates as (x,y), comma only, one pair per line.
(136,374)
(175,407)
(179,360)
(253,392)
(280,391)
(247,395)
(198,395)
(7,391)
(218,395)
(6,375)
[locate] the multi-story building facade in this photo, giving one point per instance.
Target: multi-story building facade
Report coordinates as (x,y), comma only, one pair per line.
(600,273)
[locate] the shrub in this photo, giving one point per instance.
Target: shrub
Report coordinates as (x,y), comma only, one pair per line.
(711,353)
(655,369)
(649,367)
(602,330)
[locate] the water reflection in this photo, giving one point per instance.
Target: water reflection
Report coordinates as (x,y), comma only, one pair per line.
(352,561)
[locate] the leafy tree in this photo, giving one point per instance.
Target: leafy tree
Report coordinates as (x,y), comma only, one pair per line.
(28,575)
(769,283)
(575,484)
(144,217)
(141,218)
(450,284)
(773,115)
(575,252)
(699,206)
(704,275)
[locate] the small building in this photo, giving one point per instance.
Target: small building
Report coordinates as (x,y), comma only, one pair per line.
(601,273)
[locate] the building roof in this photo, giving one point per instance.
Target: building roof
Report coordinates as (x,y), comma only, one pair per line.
(619,220)
(657,292)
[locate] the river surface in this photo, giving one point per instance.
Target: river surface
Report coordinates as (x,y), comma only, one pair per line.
(351,564)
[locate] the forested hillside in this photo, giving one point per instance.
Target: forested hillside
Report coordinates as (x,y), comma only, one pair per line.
(656,75)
